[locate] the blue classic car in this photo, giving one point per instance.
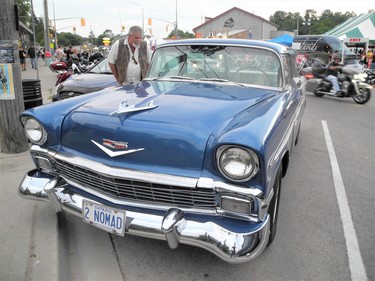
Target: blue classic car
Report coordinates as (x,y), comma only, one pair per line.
(193,154)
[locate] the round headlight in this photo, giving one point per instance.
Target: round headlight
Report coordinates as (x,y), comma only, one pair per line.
(34,131)
(237,163)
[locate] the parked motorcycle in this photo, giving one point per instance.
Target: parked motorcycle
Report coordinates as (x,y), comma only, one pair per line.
(370,79)
(351,79)
(62,70)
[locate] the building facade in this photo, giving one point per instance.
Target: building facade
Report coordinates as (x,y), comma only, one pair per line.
(236,23)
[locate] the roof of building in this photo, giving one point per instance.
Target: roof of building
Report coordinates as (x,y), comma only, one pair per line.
(234,8)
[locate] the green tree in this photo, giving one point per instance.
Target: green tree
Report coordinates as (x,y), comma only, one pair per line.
(68,38)
(310,22)
(181,34)
(24,11)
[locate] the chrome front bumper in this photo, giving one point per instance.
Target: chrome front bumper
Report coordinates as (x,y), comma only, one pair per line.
(173,227)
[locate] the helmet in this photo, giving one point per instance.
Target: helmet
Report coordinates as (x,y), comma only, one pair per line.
(336,56)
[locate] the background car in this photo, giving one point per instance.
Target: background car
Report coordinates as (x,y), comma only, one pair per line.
(193,154)
(95,79)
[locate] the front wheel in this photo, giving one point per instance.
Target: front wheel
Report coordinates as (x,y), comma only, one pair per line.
(363,96)
(273,209)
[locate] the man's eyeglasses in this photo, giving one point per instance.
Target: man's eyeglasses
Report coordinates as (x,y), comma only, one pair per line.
(134,61)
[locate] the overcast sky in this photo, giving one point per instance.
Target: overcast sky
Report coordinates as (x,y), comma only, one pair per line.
(112,14)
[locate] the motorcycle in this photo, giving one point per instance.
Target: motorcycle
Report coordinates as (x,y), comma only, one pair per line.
(65,69)
(370,79)
(62,70)
(351,80)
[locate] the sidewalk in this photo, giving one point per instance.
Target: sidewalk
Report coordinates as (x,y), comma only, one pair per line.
(28,236)
(46,76)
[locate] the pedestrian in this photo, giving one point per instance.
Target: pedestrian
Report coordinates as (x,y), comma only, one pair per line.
(59,54)
(69,52)
(129,58)
(23,56)
(31,52)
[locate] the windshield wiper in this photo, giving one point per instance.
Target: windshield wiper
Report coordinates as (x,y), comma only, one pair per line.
(179,77)
(170,77)
(214,79)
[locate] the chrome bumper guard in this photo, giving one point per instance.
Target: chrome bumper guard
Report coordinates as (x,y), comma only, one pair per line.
(173,227)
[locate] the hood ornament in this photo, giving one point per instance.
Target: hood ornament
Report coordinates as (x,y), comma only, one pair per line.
(124,107)
(115,145)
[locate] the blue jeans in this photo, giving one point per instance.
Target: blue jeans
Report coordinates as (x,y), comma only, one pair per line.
(33,62)
(334,81)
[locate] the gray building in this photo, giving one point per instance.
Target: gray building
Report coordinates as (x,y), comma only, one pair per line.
(236,23)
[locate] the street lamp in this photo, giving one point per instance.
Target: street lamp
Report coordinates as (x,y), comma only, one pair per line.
(143,25)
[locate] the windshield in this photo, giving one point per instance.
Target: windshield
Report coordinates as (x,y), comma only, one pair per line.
(243,65)
(102,67)
(337,45)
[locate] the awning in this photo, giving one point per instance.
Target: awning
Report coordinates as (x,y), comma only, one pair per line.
(362,26)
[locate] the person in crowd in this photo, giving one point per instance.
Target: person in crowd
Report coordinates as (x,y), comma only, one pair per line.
(23,56)
(69,52)
(332,71)
(42,52)
(59,54)
(31,52)
(129,58)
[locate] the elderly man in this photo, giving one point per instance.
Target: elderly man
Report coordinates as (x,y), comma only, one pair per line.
(129,58)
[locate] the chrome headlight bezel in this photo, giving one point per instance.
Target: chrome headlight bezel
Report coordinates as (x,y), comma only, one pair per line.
(231,159)
(34,130)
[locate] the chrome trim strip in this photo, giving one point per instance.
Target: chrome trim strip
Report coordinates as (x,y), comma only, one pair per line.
(119,173)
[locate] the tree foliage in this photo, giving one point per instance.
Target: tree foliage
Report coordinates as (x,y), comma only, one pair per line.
(181,34)
(310,22)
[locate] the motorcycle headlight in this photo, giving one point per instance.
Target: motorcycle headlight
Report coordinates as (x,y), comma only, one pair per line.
(361,77)
(34,130)
(237,163)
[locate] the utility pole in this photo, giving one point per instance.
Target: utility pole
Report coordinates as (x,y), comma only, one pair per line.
(12,137)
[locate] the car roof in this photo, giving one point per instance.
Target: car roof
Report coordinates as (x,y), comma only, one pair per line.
(227,42)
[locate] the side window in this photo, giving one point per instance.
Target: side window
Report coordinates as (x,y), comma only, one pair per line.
(290,67)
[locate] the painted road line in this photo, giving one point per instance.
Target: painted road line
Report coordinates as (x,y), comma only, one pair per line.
(357,269)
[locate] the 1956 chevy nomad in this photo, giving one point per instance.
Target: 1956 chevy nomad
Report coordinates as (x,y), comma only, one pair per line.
(193,154)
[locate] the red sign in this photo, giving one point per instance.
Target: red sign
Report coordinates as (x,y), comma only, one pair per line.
(354,39)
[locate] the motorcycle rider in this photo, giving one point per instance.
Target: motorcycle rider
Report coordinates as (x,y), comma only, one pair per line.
(332,71)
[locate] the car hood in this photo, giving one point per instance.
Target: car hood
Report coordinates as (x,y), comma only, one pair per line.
(162,125)
(90,80)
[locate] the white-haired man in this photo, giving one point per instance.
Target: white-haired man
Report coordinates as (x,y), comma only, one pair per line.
(129,58)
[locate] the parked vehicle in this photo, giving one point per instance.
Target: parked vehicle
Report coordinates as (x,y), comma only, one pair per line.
(351,80)
(95,79)
(65,69)
(194,154)
(370,79)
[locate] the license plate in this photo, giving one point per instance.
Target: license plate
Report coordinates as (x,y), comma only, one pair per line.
(103,217)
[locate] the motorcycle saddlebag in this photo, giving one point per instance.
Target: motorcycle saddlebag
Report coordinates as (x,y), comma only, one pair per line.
(59,65)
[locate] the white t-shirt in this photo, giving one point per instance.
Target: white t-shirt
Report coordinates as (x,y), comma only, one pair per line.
(134,70)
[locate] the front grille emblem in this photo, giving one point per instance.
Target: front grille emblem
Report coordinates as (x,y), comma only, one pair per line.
(115,145)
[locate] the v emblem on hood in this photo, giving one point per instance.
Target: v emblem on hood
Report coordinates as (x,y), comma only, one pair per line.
(115,153)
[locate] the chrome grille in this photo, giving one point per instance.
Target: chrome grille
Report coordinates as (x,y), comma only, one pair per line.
(136,190)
